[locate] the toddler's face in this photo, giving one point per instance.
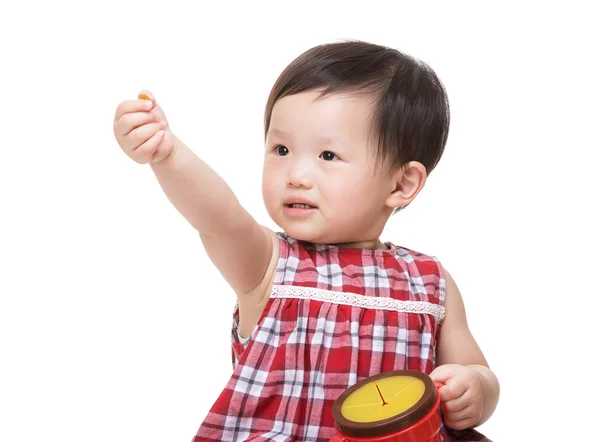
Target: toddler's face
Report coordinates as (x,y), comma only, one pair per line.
(318,177)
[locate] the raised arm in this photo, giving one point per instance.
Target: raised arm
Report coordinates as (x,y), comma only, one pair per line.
(240,248)
(198,192)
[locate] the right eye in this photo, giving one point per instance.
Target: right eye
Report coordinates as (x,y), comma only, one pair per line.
(281,150)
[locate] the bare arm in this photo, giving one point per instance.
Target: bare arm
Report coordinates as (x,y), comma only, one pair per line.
(462,366)
(458,347)
(238,246)
(198,192)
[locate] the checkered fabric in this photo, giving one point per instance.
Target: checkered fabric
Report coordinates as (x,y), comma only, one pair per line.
(335,316)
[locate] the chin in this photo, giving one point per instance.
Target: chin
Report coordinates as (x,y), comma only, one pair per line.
(303,233)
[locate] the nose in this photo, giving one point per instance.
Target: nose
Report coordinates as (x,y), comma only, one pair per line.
(299,175)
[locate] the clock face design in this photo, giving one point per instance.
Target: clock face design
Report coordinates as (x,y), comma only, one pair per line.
(385,403)
(383,398)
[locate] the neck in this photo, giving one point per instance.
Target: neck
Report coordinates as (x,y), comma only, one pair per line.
(373,244)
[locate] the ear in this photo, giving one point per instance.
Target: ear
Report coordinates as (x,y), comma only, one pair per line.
(408,181)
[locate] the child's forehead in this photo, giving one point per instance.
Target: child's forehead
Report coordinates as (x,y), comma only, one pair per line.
(315,99)
(329,114)
(330,136)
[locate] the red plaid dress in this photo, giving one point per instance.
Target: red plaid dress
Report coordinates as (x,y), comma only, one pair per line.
(335,316)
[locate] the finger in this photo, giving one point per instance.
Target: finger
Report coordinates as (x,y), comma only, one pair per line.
(442,373)
(460,424)
(129,106)
(465,413)
(453,389)
(139,136)
(147,151)
(455,405)
(129,122)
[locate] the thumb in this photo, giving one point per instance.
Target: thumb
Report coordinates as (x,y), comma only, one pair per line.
(159,114)
(443,374)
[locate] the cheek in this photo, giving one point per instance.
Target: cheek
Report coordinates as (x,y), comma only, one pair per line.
(355,193)
(347,188)
(270,184)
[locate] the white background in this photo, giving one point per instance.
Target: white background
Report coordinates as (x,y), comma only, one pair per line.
(114,326)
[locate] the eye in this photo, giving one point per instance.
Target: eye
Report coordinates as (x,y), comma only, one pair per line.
(329,156)
(281,150)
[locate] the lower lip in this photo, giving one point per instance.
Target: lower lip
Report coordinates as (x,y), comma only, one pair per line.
(297,211)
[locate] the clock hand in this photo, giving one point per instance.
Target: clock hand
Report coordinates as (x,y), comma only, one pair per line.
(380,395)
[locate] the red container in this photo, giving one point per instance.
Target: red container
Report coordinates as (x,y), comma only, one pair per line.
(419,423)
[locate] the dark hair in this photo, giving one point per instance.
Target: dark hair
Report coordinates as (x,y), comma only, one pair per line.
(411,114)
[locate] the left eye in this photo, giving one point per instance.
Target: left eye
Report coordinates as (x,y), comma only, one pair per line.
(329,156)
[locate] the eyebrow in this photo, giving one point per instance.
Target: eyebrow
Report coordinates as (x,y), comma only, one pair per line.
(323,139)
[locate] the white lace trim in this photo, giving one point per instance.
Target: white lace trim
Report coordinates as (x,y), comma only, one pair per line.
(243,341)
(352,299)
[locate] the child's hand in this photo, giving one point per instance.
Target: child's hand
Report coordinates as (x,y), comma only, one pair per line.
(142,130)
(461,396)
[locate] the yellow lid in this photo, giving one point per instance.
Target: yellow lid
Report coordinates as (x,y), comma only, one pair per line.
(385,403)
(381,399)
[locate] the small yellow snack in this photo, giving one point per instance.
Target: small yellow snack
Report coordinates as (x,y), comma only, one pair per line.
(144,97)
